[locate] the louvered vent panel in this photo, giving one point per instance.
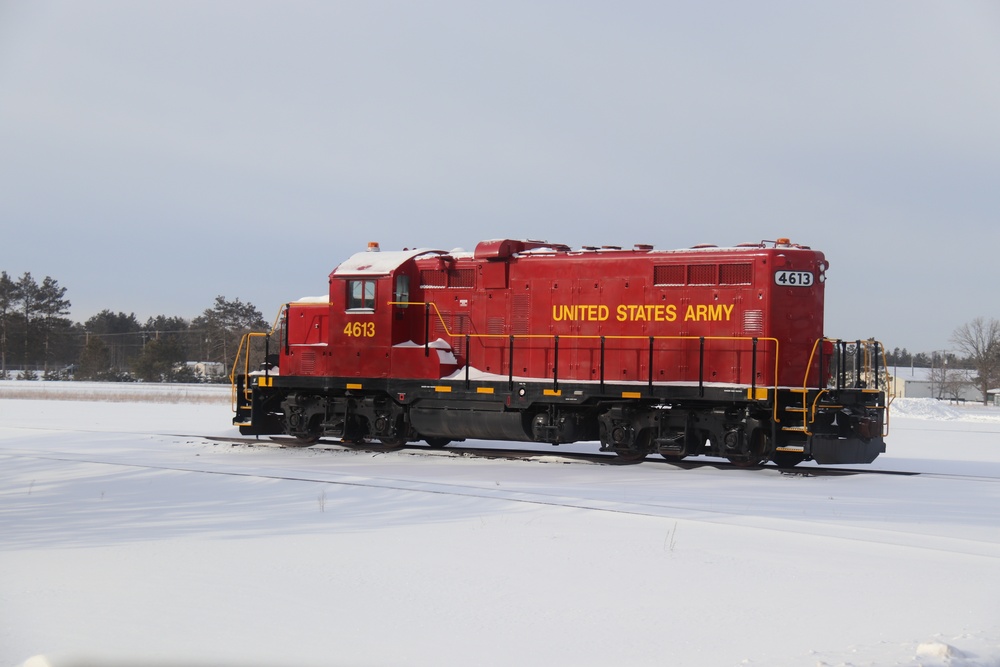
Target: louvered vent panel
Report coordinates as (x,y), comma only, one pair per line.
(668,275)
(753,321)
(462,278)
(440,324)
(521,311)
(735,274)
(702,274)
(308,361)
(433,279)
(460,328)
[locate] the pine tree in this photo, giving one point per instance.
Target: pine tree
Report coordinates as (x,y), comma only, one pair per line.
(51,306)
(160,360)
(8,297)
(26,297)
(122,336)
(95,360)
(225,324)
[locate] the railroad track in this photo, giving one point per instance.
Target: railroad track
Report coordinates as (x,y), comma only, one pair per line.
(595,458)
(598,458)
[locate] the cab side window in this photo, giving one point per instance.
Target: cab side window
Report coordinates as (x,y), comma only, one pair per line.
(361,295)
(402,290)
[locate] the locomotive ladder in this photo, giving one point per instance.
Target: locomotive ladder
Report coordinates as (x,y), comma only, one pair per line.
(246,354)
(859,365)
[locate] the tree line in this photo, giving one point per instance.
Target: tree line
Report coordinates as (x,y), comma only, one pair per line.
(978,341)
(38,339)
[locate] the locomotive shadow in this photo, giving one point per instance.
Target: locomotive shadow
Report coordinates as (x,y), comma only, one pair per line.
(75,505)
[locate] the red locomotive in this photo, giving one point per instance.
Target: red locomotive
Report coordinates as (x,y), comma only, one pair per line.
(704,351)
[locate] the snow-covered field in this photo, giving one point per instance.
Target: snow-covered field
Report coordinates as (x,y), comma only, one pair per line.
(126,533)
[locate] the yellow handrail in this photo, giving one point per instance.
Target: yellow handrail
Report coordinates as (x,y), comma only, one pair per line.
(867,371)
(448,332)
(244,349)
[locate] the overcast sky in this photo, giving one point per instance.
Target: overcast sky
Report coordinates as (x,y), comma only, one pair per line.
(154,155)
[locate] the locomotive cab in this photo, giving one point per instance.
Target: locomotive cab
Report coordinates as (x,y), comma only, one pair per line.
(376,326)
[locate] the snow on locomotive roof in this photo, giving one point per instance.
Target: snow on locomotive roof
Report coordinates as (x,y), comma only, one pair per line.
(501,248)
(739,247)
(380,263)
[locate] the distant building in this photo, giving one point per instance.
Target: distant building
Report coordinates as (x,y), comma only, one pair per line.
(994,395)
(206,370)
(941,383)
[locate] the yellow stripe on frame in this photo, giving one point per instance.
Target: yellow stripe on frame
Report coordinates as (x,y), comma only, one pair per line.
(484,390)
(631,394)
(756,393)
(442,389)
(351,385)
(552,392)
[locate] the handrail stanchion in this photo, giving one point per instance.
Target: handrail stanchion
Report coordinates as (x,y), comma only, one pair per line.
(555,362)
(267,353)
(510,366)
(857,364)
(819,371)
(602,364)
(701,367)
(427,329)
(650,363)
(468,355)
(841,365)
(875,354)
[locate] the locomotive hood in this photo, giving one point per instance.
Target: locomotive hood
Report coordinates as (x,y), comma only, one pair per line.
(380,263)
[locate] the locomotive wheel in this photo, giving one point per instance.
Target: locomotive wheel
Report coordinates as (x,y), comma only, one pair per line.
(307,440)
(437,443)
(744,462)
(758,445)
(630,455)
(787,459)
(639,449)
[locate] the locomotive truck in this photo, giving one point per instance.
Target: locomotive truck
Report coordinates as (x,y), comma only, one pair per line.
(714,351)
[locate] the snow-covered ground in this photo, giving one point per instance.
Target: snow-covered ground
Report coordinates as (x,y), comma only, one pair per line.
(126,533)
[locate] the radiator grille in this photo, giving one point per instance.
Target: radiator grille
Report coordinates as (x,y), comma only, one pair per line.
(735,274)
(430,278)
(702,274)
(672,274)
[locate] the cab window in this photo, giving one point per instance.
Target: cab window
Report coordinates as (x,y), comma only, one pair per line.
(402,290)
(361,295)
